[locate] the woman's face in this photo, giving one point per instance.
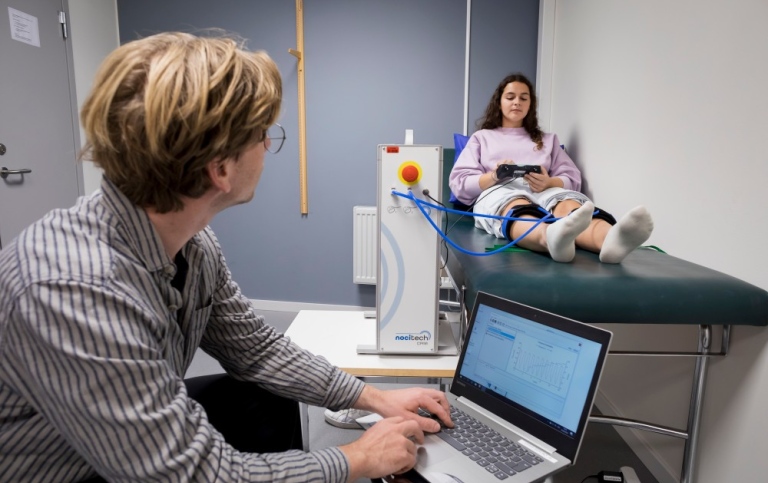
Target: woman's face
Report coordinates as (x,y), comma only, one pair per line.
(515,103)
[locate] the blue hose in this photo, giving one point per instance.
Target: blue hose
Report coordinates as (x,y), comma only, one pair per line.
(421,203)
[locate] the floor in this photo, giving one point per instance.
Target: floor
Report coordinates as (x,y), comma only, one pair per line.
(602,449)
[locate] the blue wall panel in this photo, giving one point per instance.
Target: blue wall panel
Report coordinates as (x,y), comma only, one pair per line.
(374,68)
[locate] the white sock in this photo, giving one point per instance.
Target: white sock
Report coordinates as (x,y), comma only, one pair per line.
(630,232)
(561,235)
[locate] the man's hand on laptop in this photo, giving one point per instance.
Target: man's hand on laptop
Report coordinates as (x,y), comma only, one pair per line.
(386,448)
(406,403)
(389,446)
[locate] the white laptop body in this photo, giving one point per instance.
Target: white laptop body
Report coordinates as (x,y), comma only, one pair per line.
(529,375)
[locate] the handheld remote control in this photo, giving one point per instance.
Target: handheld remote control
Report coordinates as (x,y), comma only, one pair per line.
(516,171)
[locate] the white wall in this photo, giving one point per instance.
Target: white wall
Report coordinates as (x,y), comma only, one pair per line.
(664,103)
(94,33)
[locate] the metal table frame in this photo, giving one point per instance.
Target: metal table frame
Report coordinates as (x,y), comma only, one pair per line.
(691,433)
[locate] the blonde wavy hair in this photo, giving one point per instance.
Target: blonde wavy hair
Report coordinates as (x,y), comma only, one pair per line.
(165,106)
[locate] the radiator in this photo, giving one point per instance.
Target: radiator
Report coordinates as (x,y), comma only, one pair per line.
(365,257)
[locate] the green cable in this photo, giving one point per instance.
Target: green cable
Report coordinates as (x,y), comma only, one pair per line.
(513,248)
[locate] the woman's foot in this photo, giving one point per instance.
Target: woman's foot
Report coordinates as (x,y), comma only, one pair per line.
(630,232)
(561,235)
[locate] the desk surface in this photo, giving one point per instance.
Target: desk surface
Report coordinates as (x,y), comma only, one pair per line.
(335,335)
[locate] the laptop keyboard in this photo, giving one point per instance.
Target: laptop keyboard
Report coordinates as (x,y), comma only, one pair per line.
(498,455)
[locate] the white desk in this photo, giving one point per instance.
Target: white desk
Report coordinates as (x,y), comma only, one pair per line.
(335,335)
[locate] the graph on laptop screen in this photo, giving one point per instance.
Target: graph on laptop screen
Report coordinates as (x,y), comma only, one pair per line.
(530,365)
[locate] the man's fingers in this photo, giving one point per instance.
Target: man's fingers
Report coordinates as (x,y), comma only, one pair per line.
(412,431)
(439,407)
(428,424)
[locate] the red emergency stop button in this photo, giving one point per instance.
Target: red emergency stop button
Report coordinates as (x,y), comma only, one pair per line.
(409,172)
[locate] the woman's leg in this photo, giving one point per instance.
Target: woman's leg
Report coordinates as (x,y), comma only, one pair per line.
(612,242)
(590,239)
(558,239)
(535,240)
(631,231)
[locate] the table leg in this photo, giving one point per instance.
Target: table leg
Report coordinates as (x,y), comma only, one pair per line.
(694,412)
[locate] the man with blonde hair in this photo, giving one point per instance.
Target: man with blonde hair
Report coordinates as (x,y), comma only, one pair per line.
(103,305)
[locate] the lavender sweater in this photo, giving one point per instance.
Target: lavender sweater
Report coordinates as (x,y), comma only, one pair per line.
(488,147)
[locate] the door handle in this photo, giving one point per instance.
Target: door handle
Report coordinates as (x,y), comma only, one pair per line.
(4,172)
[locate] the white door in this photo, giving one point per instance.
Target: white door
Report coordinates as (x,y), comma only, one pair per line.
(38,157)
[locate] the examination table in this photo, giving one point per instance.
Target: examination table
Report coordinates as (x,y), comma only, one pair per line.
(648,287)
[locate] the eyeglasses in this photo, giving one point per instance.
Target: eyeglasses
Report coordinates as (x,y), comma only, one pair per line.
(276,136)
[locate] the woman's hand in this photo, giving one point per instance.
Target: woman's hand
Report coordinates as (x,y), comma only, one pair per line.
(538,182)
(489,179)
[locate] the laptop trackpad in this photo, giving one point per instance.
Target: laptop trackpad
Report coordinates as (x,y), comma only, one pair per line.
(432,458)
(431,454)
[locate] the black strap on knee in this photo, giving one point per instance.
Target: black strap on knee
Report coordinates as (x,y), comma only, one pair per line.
(601,214)
(530,209)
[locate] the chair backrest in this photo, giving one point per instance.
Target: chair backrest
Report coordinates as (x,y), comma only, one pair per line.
(448,155)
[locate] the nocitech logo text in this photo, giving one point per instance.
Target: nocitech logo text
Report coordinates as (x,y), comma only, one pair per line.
(422,337)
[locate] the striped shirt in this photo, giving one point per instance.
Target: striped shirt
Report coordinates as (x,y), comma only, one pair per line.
(95,341)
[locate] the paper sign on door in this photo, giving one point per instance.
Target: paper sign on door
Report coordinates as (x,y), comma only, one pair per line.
(24,27)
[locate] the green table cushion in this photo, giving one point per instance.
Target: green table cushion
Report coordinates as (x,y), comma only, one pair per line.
(648,287)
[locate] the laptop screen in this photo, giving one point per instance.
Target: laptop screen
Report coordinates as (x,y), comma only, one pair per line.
(536,369)
(540,368)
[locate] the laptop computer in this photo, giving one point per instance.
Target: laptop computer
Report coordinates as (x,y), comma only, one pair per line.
(530,377)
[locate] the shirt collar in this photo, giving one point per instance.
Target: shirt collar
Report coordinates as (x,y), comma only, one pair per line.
(137,229)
